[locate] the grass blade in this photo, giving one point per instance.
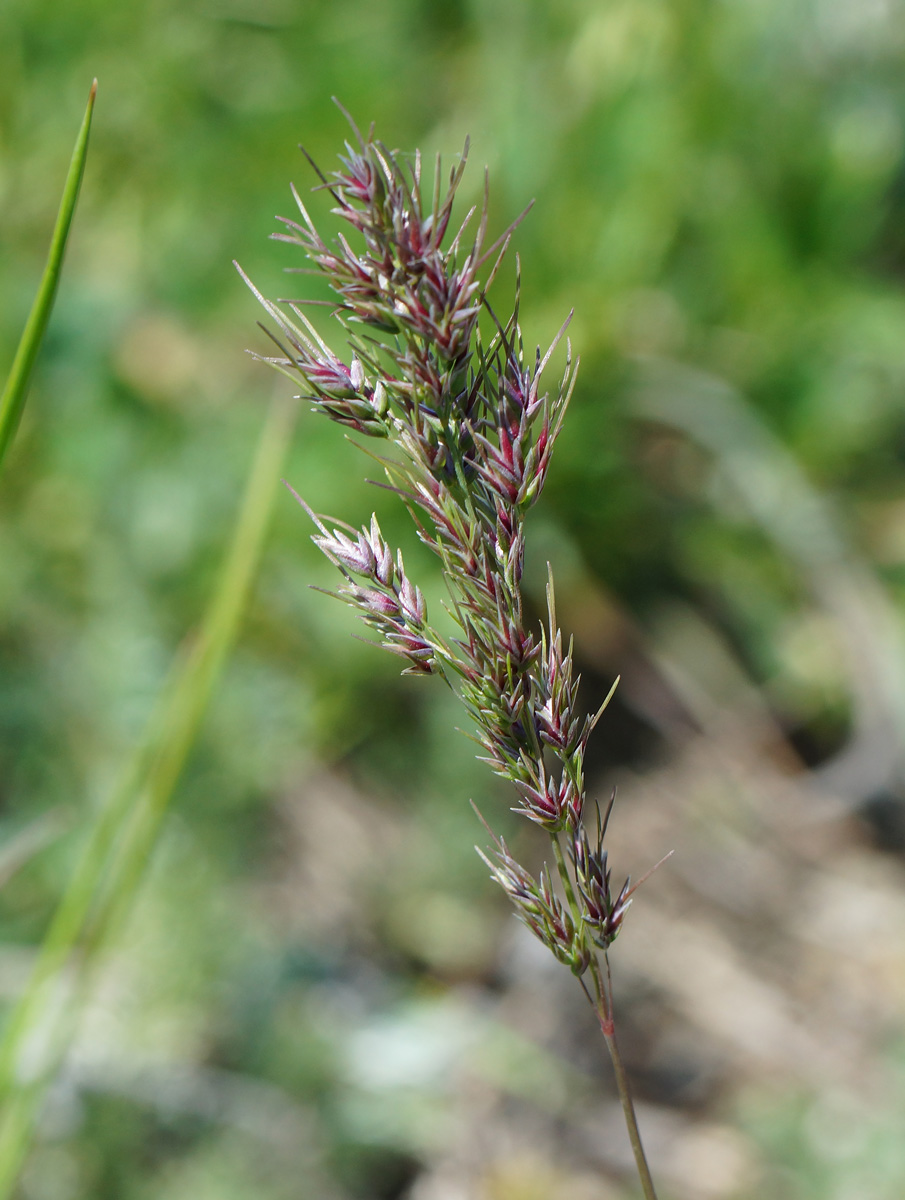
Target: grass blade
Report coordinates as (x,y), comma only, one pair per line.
(108,876)
(13,400)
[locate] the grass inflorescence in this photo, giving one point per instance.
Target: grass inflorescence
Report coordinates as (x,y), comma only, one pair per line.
(434,371)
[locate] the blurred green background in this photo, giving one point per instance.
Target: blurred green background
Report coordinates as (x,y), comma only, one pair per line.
(319,994)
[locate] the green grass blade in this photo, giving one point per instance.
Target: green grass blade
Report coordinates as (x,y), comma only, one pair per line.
(13,400)
(190,695)
(107,879)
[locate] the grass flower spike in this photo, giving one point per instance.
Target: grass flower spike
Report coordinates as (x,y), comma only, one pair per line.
(435,372)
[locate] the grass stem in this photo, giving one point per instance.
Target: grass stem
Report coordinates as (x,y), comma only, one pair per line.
(604,1009)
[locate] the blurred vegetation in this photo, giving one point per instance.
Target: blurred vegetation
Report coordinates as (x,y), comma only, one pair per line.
(720,195)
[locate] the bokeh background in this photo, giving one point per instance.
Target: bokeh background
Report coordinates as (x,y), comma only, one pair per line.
(319,993)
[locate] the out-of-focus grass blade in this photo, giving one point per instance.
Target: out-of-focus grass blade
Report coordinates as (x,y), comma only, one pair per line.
(191,690)
(108,876)
(13,400)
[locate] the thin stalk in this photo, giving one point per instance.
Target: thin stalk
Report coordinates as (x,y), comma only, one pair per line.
(14,393)
(604,1009)
(99,895)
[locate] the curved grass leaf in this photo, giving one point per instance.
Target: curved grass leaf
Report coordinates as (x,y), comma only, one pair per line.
(12,401)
